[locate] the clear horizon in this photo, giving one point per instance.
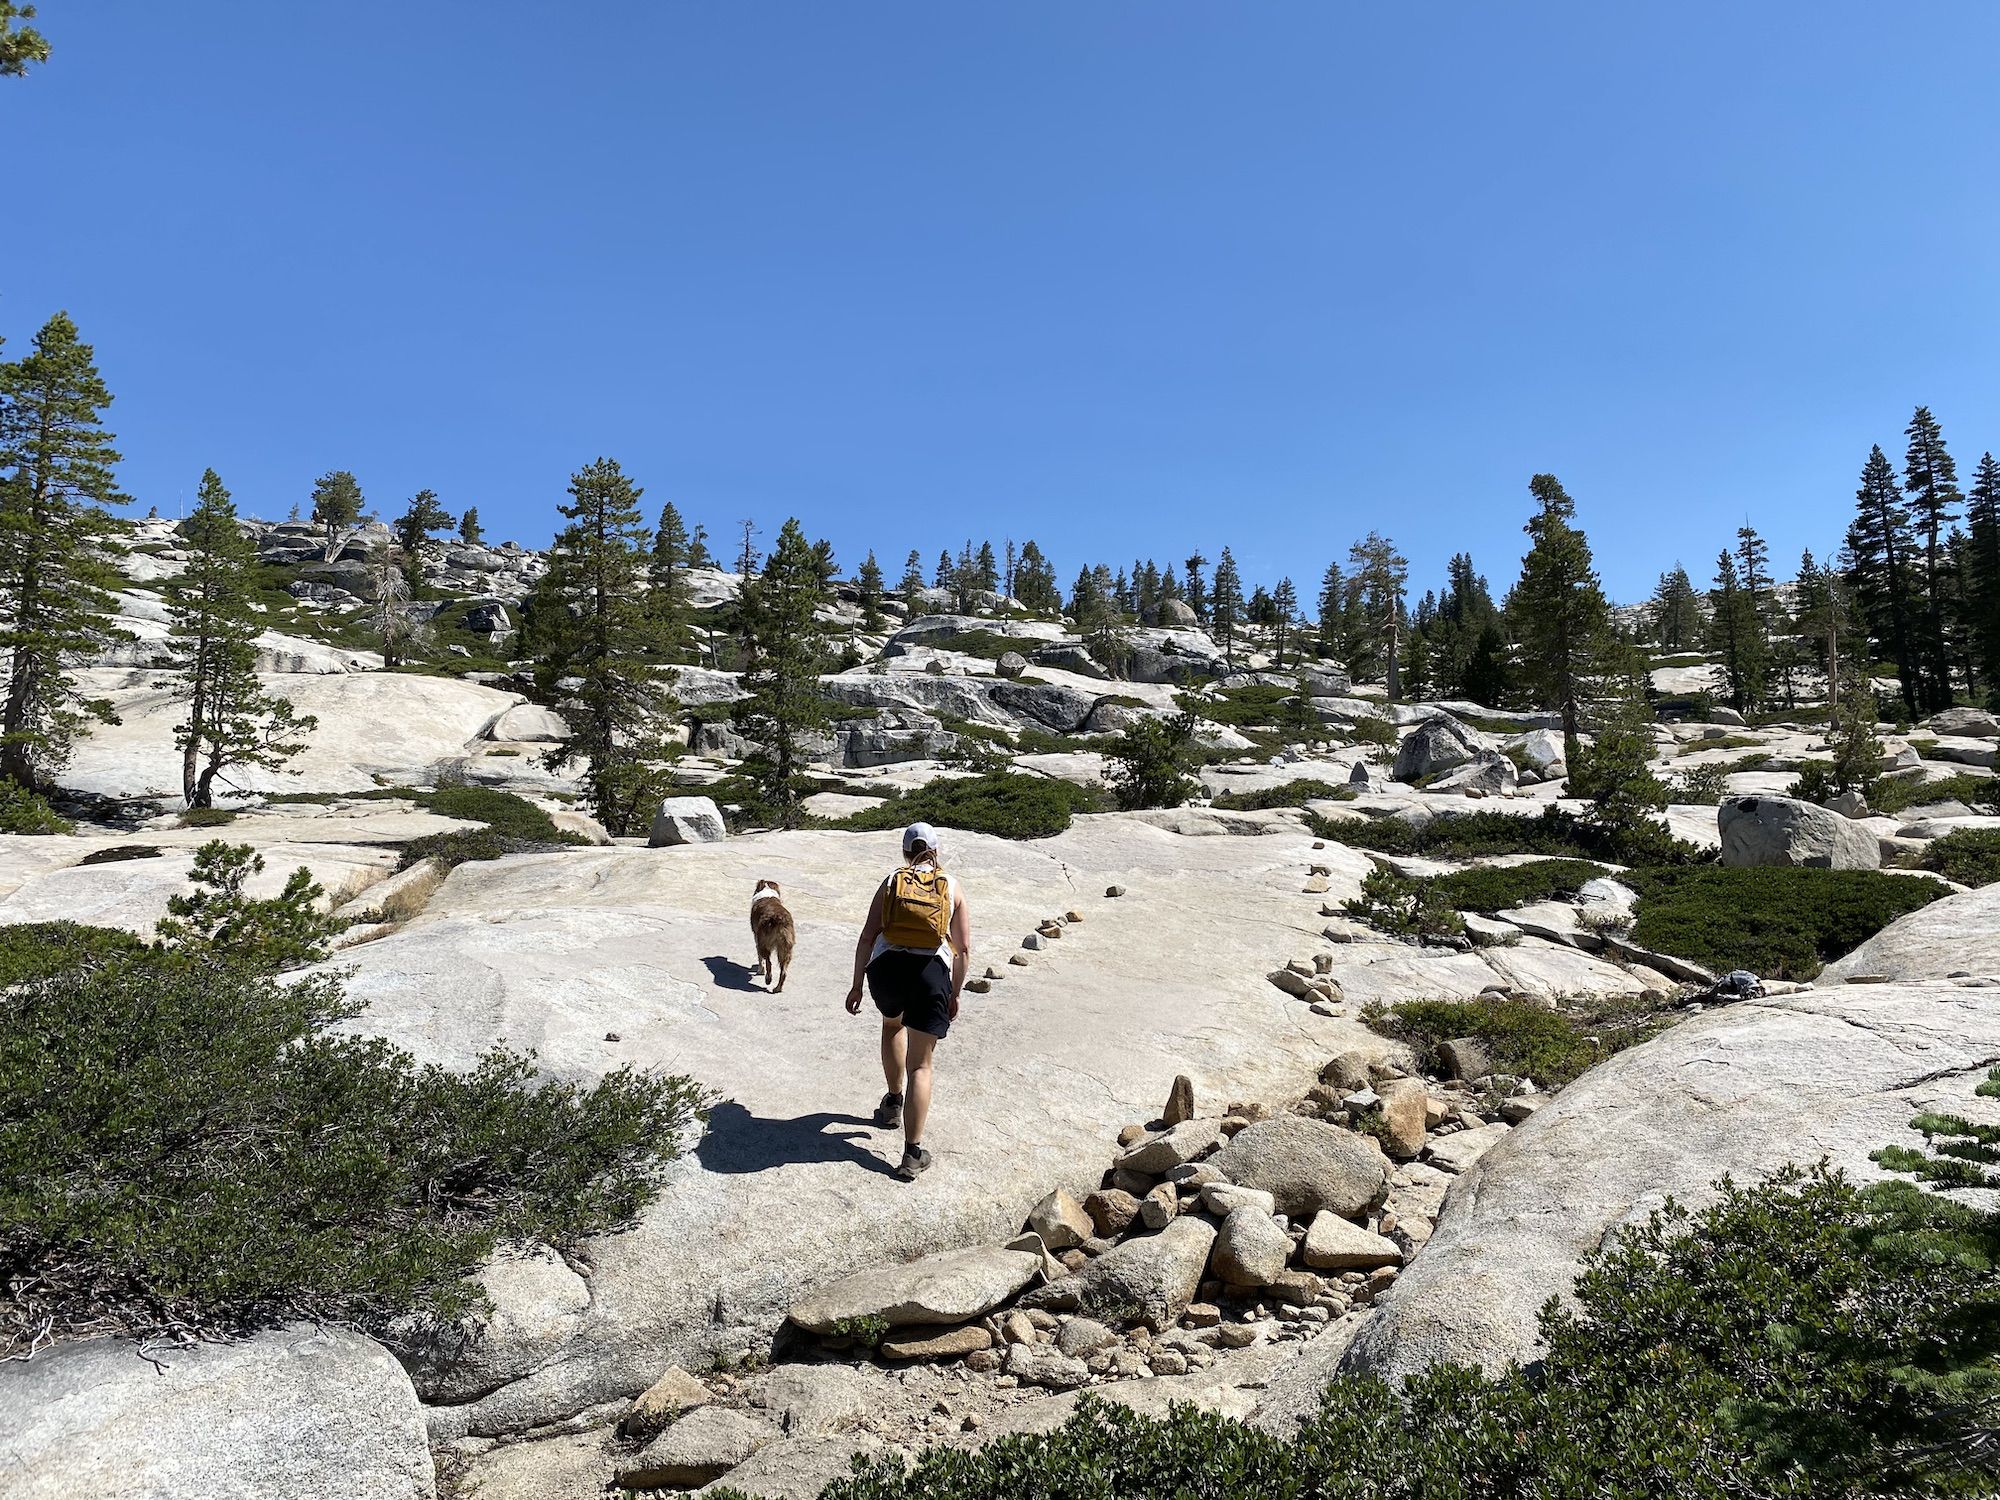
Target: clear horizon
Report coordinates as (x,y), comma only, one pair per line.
(1130,281)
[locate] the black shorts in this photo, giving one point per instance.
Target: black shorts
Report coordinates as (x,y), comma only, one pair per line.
(914,988)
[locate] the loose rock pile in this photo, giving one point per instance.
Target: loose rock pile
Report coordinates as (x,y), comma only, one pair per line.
(1207,1234)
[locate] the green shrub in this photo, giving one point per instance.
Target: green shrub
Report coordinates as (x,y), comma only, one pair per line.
(1254,704)
(1701,785)
(185,1146)
(208,817)
(1006,804)
(1554,831)
(1896,794)
(1779,922)
(1149,764)
(1523,1037)
(1290,794)
(21,811)
(1970,856)
(1404,908)
(1815,782)
(984,643)
(1489,888)
(514,825)
(34,950)
(1801,1338)
(264,934)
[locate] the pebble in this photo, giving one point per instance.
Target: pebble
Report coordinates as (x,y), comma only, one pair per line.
(979,986)
(1114,890)
(1019,959)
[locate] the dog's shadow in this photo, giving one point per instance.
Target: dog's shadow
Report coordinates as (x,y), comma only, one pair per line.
(738,1142)
(731,975)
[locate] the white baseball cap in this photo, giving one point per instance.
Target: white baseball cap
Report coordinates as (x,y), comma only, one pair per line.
(920,836)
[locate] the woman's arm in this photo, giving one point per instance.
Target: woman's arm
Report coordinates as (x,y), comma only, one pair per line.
(870,930)
(961,948)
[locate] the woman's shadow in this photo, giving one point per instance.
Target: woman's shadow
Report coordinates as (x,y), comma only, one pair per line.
(739,1142)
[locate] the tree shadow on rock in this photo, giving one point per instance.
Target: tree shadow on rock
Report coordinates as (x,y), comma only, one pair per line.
(738,1142)
(731,975)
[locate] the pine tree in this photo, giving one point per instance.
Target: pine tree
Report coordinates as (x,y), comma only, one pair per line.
(964,580)
(824,566)
(870,582)
(788,652)
(1375,586)
(1559,606)
(19,45)
(389,571)
(1286,600)
(1197,595)
(1930,479)
(337,502)
(1488,675)
(1332,605)
(1013,566)
(912,586)
(1879,545)
(469,530)
(1036,585)
(597,640)
(987,569)
(669,591)
(698,554)
(746,555)
(1982,601)
(1733,632)
(232,722)
(1676,612)
(1225,603)
(413,530)
(946,574)
(55,601)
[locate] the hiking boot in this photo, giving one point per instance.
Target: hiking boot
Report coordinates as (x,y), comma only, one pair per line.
(915,1160)
(889,1113)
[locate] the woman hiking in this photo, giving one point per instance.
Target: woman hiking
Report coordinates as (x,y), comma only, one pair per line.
(914,951)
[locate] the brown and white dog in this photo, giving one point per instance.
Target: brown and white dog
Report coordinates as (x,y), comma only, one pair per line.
(771,925)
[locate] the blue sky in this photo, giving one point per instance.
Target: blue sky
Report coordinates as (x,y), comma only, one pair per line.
(1129,278)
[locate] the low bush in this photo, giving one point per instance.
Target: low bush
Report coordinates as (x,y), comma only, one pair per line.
(1006,804)
(1404,908)
(514,825)
(1290,794)
(1255,704)
(208,817)
(185,1145)
(21,811)
(35,950)
(1802,1338)
(989,644)
(1554,831)
(1702,786)
(1489,888)
(1970,856)
(1524,1038)
(1897,794)
(1779,922)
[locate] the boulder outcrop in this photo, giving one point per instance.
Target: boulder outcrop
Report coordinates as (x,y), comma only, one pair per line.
(297,1414)
(1785,831)
(1743,1091)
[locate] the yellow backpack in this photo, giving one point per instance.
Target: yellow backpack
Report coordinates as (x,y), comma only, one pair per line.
(916,908)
